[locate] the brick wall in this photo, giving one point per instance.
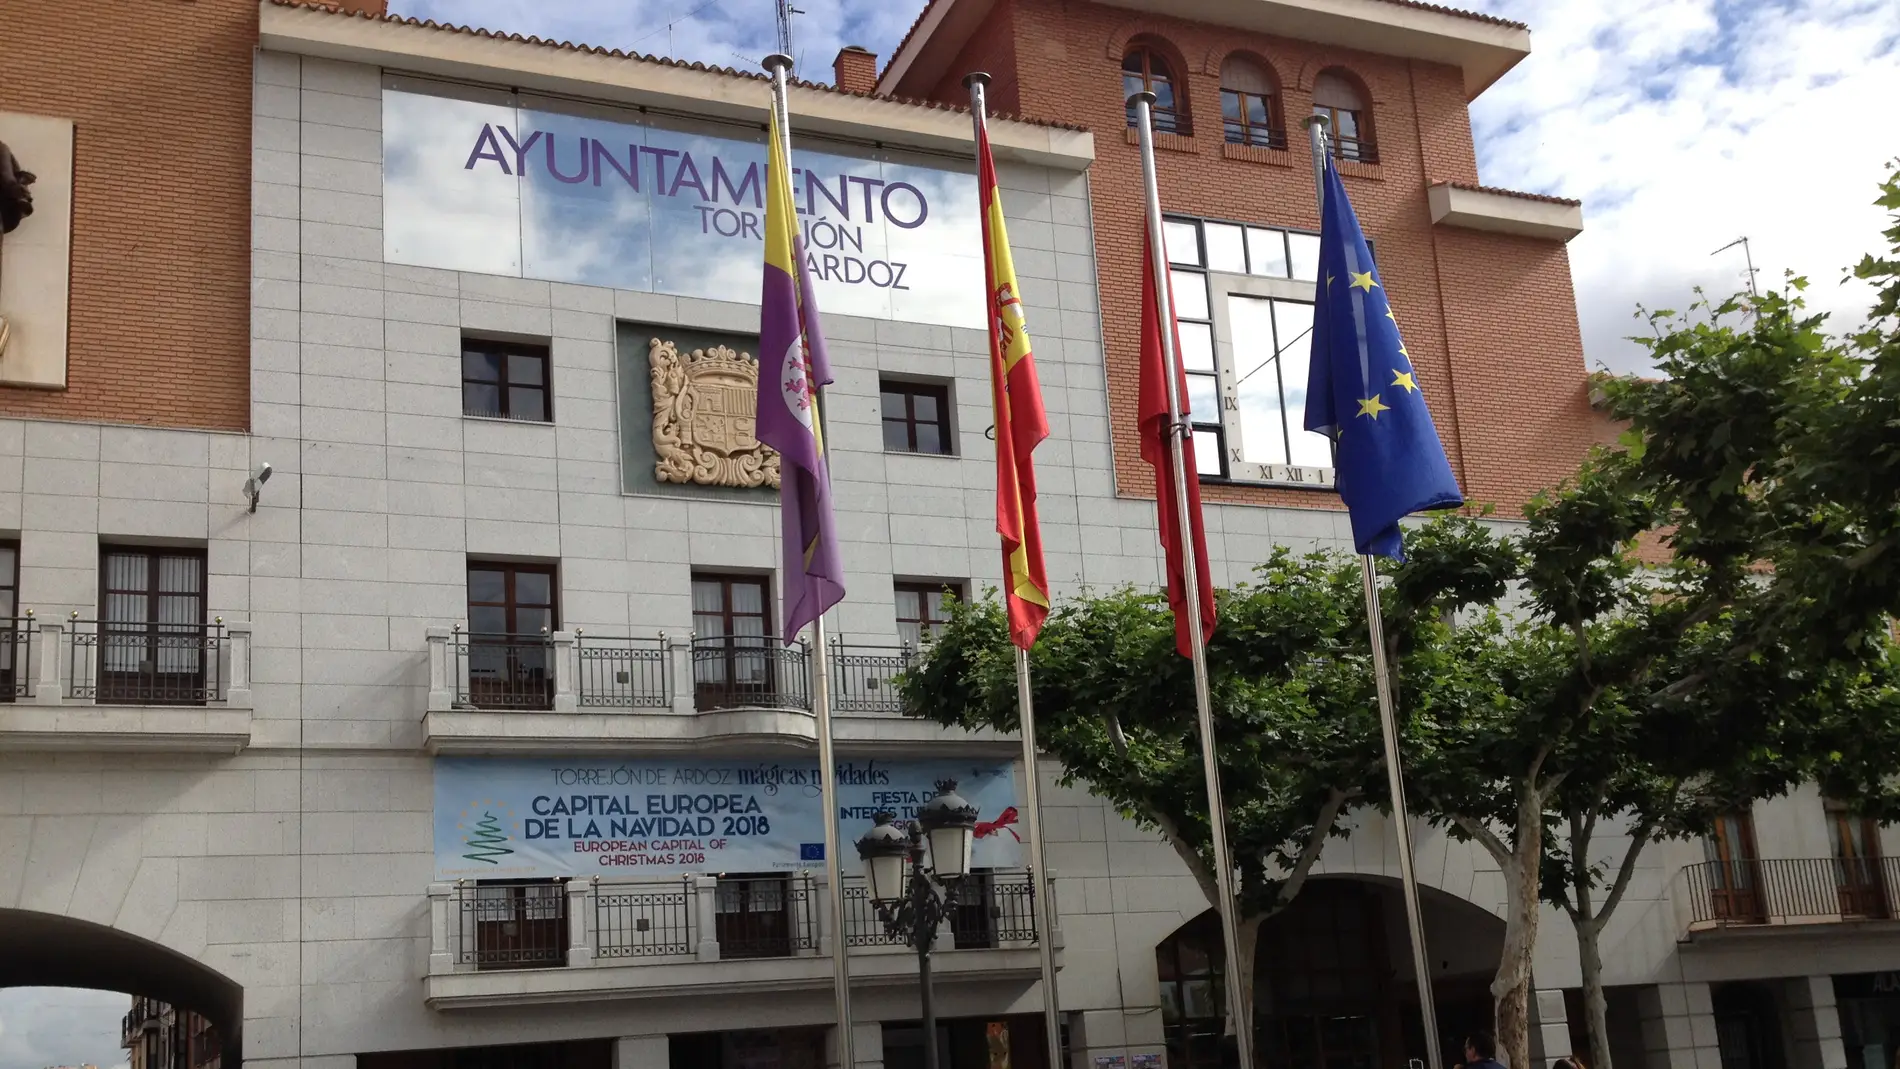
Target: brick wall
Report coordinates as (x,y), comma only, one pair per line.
(160,93)
(1489,320)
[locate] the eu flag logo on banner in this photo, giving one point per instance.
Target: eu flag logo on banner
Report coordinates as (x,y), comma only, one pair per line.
(1363,392)
(811,851)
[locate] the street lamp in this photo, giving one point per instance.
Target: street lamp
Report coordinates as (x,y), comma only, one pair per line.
(913,908)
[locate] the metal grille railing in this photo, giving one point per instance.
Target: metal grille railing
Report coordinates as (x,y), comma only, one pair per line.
(119,663)
(1357,149)
(497,671)
(764,916)
(1792,890)
(1239,133)
(510,925)
(988,909)
(863,677)
(750,671)
(650,921)
(18,637)
(622,673)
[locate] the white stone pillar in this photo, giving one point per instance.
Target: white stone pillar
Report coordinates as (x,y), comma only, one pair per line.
(1111,1033)
(441,954)
(867,1045)
(1553,1026)
(641,1052)
(706,915)
(237,692)
(46,689)
(580,910)
(561,648)
(442,641)
(1814,1024)
(1678,1027)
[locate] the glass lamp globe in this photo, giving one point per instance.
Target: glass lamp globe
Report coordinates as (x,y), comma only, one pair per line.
(884,850)
(949,823)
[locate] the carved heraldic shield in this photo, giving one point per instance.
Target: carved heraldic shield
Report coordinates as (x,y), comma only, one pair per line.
(705,406)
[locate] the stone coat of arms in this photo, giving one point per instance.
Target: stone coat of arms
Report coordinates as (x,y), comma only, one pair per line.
(705,412)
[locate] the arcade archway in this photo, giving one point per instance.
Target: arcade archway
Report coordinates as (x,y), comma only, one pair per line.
(48,950)
(1333,981)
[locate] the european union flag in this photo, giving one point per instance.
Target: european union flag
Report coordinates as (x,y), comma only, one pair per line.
(1362,391)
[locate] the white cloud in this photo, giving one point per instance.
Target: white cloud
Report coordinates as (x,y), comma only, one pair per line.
(44,1026)
(1681,124)
(1684,124)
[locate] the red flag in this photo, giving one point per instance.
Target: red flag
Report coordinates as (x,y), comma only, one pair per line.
(1020,421)
(1156,450)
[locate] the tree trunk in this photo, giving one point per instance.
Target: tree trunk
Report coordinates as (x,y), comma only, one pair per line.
(1595,1005)
(1512,986)
(1248,935)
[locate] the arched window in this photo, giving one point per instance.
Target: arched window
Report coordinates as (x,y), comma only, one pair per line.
(1191,967)
(1145,68)
(1337,97)
(1250,104)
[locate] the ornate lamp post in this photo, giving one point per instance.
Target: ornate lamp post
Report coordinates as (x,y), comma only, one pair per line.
(912,906)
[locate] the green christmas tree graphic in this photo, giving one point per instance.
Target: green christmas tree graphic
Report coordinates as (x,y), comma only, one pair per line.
(485,843)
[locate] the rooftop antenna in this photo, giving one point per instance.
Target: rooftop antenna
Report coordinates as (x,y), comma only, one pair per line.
(785,13)
(1747,255)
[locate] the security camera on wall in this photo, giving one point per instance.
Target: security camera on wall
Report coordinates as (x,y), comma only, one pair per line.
(254,486)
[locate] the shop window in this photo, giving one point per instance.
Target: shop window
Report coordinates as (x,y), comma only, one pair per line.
(505,380)
(1191,965)
(1145,68)
(1250,104)
(916,418)
(1339,96)
(1243,303)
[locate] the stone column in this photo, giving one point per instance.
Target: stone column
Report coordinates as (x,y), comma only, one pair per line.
(867,1045)
(1112,1033)
(1553,1026)
(640,1052)
(1678,1027)
(1814,1024)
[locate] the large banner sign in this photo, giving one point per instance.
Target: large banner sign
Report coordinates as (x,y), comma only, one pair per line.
(528,817)
(509,187)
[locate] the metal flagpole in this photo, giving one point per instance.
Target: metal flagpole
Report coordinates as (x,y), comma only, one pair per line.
(1171,370)
(777,64)
(1388,722)
(1032,779)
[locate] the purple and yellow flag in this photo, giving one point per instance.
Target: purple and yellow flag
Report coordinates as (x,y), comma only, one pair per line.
(792,366)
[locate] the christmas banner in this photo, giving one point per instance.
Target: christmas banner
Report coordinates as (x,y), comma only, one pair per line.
(500,818)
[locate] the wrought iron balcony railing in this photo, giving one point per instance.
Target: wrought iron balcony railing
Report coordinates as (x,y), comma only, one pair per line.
(18,637)
(863,677)
(114,662)
(750,671)
(987,909)
(1726,894)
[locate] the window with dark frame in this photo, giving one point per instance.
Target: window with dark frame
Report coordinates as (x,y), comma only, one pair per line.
(13,633)
(1243,301)
(1250,105)
(520,924)
(505,380)
(923,610)
(916,417)
(1734,881)
(512,608)
(1189,965)
(1145,68)
(1349,128)
(152,636)
(732,625)
(1857,856)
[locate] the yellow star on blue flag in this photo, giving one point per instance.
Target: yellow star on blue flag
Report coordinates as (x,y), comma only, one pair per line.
(1392,463)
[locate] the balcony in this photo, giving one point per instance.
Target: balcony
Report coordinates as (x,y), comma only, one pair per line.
(575,691)
(87,684)
(560,940)
(1784,893)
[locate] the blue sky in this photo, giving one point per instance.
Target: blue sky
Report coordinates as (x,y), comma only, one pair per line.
(1681,124)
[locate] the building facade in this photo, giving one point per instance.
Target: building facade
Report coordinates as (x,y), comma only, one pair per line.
(462,734)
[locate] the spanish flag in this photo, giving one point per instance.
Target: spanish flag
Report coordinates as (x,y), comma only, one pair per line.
(1021,423)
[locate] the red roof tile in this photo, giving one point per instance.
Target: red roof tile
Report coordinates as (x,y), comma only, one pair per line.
(1541,197)
(638,57)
